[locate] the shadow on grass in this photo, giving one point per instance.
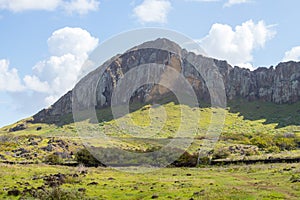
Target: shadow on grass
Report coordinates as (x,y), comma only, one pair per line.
(281,114)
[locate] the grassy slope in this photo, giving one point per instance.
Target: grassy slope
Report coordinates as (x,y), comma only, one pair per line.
(254,120)
(257,124)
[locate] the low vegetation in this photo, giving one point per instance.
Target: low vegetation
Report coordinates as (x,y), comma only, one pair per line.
(252,131)
(228,182)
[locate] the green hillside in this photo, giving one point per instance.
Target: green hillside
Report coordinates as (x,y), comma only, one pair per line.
(251,130)
(259,132)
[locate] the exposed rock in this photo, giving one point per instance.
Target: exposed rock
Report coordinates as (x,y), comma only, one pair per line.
(55,180)
(52,115)
(33,143)
(48,148)
(289,135)
(244,150)
(92,183)
(63,155)
(199,193)
(279,85)
(81,189)
(18,127)
(21,152)
(2,157)
(62,144)
(14,192)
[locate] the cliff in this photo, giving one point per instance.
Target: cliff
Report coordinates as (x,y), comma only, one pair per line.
(278,84)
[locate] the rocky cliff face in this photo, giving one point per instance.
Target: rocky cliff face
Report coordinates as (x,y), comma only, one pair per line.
(279,85)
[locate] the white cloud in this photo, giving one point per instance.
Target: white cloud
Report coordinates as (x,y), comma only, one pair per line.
(236,46)
(234,2)
(293,54)
(74,41)
(81,6)
(35,84)
(70,6)
(152,11)
(54,76)
(60,72)
(9,78)
(247,66)
(203,0)
(21,5)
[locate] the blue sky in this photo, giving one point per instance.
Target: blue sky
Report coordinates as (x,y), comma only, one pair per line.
(44,43)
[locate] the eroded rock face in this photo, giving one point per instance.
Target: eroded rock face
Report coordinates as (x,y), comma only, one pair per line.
(279,85)
(52,115)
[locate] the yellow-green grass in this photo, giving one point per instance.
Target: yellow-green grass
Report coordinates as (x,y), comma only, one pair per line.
(271,181)
(148,127)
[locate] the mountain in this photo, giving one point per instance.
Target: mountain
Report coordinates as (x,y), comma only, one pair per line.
(280,84)
(49,156)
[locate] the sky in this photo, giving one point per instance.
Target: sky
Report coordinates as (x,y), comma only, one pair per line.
(43,44)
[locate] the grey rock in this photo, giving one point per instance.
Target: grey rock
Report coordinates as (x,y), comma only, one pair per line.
(63,155)
(280,84)
(2,157)
(33,143)
(18,127)
(48,148)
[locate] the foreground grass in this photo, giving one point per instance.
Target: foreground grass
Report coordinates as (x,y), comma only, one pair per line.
(231,182)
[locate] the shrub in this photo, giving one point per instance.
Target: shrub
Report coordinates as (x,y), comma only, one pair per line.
(221,153)
(83,156)
(273,149)
(262,141)
(204,161)
(186,160)
(53,159)
(286,143)
(58,193)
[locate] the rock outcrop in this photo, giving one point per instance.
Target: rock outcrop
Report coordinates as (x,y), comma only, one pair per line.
(280,84)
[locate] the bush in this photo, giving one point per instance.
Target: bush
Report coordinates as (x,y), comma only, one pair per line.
(204,161)
(286,143)
(53,159)
(262,141)
(58,193)
(83,156)
(221,153)
(273,149)
(186,160)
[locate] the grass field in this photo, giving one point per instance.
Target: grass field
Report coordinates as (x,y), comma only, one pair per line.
(276,181)
(250,131)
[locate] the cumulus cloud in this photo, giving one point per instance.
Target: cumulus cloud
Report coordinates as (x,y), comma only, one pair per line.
(21,5)
(35,84)
(60,72)
(236,45)
(293,54)
(75,41)
(81,6)
(234,2)
(9,78)
(54,76)
(152,11)
(70,6)
(203,0)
